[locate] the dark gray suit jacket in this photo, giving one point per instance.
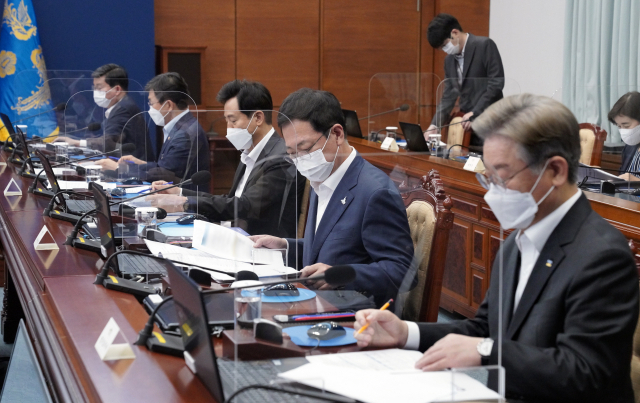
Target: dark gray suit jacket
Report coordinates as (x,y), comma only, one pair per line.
(482,79)
(570,338)
(270,200)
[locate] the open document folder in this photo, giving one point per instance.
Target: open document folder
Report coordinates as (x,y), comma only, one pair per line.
(386,376)
(219,269)
(226,243)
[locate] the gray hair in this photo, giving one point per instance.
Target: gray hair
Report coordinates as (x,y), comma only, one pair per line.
(542,128)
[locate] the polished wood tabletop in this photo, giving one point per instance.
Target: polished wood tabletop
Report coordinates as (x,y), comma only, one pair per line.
(65,313)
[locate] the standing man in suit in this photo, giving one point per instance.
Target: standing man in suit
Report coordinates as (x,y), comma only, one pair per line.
(124,122)
(356,215)
(185,149)
(570,286)
(266,192)
(473,72)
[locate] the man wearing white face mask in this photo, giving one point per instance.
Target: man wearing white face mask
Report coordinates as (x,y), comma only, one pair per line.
(473,72)
(265,189)
(356,215)
(185,149)
(569,284)
(626,115)
(123,121)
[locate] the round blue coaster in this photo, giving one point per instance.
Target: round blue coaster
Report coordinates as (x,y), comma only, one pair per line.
(304,295)
(299,336)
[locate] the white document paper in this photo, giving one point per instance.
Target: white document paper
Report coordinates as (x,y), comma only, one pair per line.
(137,189)
(378,360)
(226,243)
(68,185)
(204,260)
(387,386)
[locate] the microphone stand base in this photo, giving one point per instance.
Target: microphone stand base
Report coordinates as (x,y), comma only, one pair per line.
(166,344)
(87,244)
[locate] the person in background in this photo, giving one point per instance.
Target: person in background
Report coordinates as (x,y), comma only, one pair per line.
(266,192)
(124,122)
(626,115)
(185,149)
(473,72)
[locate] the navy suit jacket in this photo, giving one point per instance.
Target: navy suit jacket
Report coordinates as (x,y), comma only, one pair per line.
(369,231)
(125,125)
(185,152)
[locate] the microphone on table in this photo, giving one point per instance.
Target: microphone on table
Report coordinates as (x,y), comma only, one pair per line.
(336,276)
(121,284)
(92,127)
(402,108)
(126,148)
(59,108)
(198,178)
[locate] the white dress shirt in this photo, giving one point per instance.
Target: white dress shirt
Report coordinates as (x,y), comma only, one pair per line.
(325,189)
(460,59)
(249,158)
(530,243)
(169,126)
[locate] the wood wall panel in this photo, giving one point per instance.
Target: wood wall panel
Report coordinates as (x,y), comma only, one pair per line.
(278,44)
(455,273)
(361,38)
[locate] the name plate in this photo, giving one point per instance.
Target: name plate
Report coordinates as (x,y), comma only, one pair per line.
(12,189)
(390,144)
(474,164)
(107,349)
(44,240)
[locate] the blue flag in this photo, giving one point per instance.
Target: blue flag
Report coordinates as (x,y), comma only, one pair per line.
(24,90)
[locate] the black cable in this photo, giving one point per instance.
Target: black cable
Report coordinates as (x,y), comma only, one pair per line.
(332,398)
(145,333)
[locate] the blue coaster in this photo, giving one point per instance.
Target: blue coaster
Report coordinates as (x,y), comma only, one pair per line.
(299,336)
(304,295)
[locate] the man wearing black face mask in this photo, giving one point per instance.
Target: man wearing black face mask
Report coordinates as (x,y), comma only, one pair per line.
(473,72)
(569,284)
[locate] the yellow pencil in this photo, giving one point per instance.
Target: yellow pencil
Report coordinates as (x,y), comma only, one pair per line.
(384,307)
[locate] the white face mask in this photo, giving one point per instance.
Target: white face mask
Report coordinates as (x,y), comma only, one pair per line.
(514,209)
(630,136)
(450,49)
(314,166)
(100,98)
(157,116)
(241,138)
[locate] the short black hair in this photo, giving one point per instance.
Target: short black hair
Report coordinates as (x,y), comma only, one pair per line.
(628,105)
(170,87)
(440,28)
(320,108)
(113,75)
(252,96)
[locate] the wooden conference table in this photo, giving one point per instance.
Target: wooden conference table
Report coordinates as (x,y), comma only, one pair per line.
(475,237)
(65,313)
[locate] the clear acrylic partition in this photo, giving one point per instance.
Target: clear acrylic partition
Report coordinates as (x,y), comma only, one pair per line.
(451,109)
(591,105)
(390,91)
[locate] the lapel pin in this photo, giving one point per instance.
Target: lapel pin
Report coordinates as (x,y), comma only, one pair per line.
(344,200)
(549,263)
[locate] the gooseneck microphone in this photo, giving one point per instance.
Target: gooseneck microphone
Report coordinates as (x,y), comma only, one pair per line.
(59,108)
(402,108)
(122,284)
(336,276)
(198,178)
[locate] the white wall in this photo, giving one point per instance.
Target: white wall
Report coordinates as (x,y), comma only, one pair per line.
(530,38)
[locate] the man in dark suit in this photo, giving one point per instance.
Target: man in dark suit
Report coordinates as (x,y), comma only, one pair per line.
(185,150)
(266,192)
(473,72)
(124,122)
(356,215)
(569,287)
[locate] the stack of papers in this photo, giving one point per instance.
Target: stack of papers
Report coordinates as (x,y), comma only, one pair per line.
(386,376)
